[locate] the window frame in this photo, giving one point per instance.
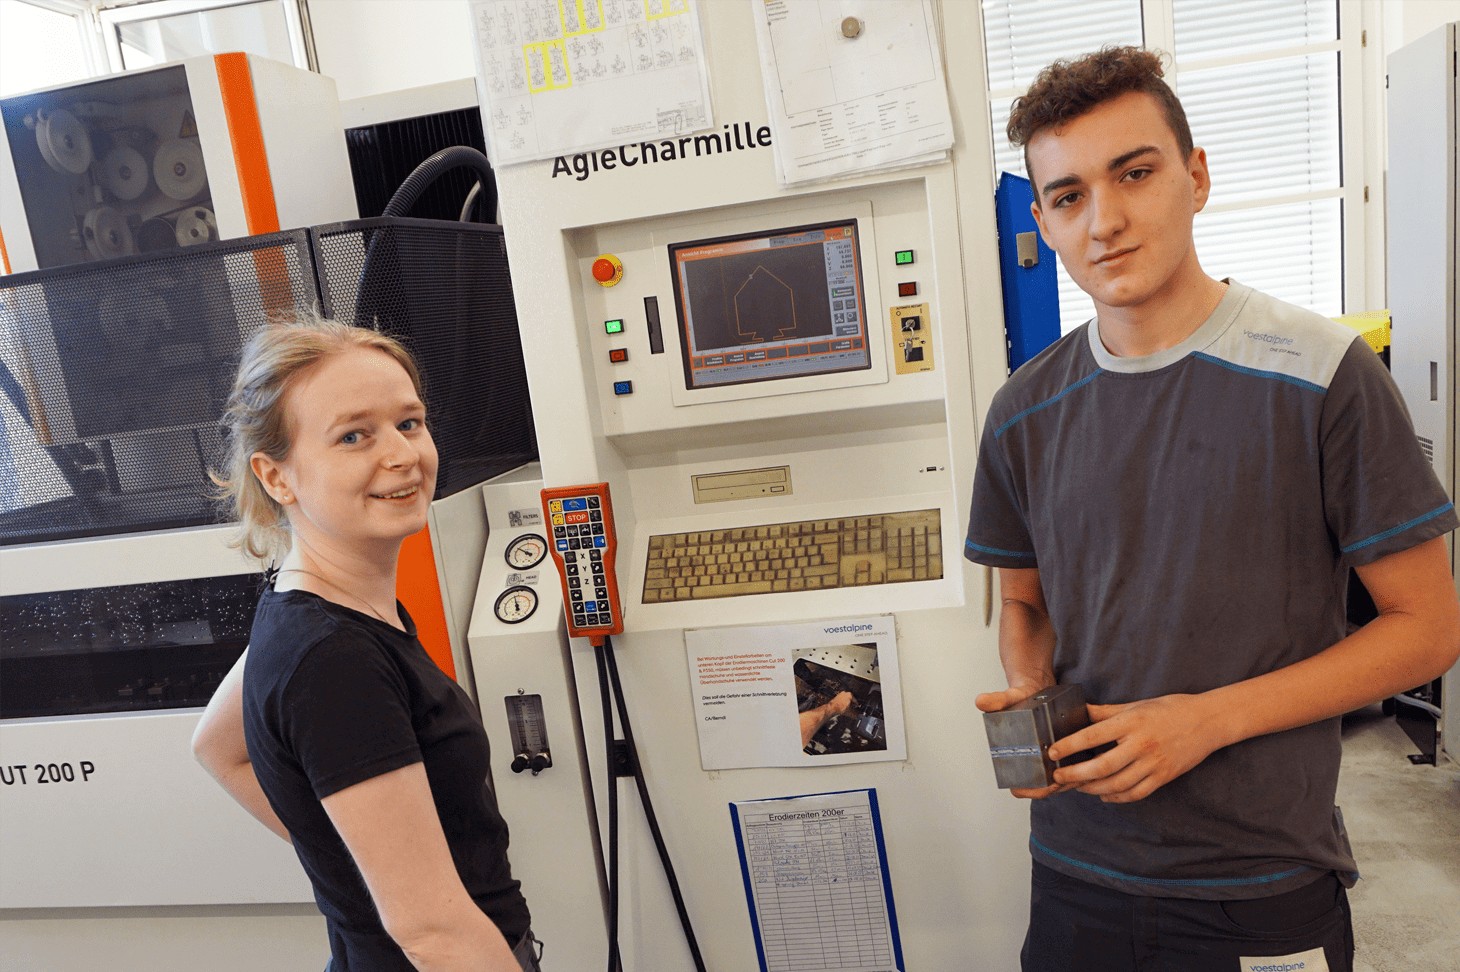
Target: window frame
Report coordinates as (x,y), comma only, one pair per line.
(111,14)
(1359,107)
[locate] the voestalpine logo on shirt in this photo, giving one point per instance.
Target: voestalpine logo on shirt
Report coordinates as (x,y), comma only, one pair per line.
(1274,342)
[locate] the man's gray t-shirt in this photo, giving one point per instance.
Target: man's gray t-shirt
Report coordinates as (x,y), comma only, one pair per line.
(1193,514)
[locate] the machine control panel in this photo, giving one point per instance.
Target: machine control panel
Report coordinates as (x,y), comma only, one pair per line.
(911,338)
(584,547)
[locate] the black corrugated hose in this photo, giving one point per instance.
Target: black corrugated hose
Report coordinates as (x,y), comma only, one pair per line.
(457,156)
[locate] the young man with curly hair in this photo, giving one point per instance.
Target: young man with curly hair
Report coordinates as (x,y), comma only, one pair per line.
(1173,495)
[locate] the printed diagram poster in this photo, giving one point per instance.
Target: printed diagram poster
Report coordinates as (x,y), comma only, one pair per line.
(852,87)
(562,76)
(817,883)
(811,694)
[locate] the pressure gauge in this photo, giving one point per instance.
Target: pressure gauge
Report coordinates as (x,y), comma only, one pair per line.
(515,605)
(526,551)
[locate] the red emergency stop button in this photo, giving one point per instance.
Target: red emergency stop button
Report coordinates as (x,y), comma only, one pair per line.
(608,270)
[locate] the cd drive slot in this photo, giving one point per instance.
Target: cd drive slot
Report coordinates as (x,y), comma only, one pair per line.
(742,484)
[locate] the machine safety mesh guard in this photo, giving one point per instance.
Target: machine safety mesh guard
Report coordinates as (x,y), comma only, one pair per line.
(441,288)
(115,373)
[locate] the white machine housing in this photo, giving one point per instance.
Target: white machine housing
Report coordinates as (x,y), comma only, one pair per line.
(881,440)
(149,826)
(268,135)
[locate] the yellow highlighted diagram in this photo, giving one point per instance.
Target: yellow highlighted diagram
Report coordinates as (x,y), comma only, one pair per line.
(546,64)
(579,17)
(659,9)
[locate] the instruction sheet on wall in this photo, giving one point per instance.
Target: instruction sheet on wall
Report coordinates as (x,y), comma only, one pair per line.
(562,76)
(809,694)
(852,87)
(816,880)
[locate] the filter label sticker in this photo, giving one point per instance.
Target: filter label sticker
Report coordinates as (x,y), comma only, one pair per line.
(529,516)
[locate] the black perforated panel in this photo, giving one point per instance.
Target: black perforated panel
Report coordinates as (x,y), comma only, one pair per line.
(115,374)
(442,289)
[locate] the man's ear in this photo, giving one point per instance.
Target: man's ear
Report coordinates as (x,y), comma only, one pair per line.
(1038,215)
(271,477)
(1201,177)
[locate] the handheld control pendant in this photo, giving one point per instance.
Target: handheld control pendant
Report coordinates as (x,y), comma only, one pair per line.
(584,547)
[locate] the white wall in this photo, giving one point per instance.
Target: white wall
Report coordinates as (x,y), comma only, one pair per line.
(374,46)
(1409,20)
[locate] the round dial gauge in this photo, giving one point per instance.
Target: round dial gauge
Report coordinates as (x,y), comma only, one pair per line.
(526,551)
(515,605)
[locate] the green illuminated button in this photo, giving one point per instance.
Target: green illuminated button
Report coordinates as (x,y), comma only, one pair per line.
(904,257)
(614,326)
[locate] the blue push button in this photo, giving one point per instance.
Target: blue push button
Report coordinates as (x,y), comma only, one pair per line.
(562,545)
(600,541)
(623,388)
(575,504)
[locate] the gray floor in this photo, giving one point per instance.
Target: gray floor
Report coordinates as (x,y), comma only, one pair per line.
(1404,823)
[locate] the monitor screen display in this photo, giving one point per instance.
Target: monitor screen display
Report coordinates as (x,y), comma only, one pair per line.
(782,303)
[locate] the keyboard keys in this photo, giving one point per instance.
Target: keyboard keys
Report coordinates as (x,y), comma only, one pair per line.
(785,557)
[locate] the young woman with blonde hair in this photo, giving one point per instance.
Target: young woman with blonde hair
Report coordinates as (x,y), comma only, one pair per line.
(335,729)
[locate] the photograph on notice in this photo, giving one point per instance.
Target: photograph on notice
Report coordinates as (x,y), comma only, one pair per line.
(815,693)
(839,699)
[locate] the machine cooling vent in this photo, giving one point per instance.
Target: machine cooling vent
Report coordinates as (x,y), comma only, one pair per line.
(383,155)
(1428,446)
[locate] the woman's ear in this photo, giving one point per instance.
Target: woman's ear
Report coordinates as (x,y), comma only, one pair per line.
(271,477)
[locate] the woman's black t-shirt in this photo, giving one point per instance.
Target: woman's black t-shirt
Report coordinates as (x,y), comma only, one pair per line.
(331,698)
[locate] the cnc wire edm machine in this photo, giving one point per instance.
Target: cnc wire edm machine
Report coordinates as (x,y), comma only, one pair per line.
(771,368)
(122,606)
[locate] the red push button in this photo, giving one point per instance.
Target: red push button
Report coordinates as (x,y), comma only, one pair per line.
(608,270)
(909,289)
(618,355)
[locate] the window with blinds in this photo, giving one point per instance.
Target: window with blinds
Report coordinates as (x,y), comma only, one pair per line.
(1260,83)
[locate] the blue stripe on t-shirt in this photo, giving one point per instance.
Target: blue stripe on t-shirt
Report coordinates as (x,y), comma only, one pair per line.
(1259,373)
(1045,404)
(1169,882)
(980,548)
(1395,531)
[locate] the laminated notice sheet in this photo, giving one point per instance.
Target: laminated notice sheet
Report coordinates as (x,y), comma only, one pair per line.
(852,87)
(813,693)
(562,76)
(817,884)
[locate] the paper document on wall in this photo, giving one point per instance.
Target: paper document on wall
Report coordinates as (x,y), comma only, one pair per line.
(561,76)
(852,87)
(817,883)
(818,693)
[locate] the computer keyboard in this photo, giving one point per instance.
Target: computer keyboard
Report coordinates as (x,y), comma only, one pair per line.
(808,555)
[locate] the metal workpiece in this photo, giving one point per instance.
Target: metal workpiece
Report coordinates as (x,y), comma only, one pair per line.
(1020,736)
